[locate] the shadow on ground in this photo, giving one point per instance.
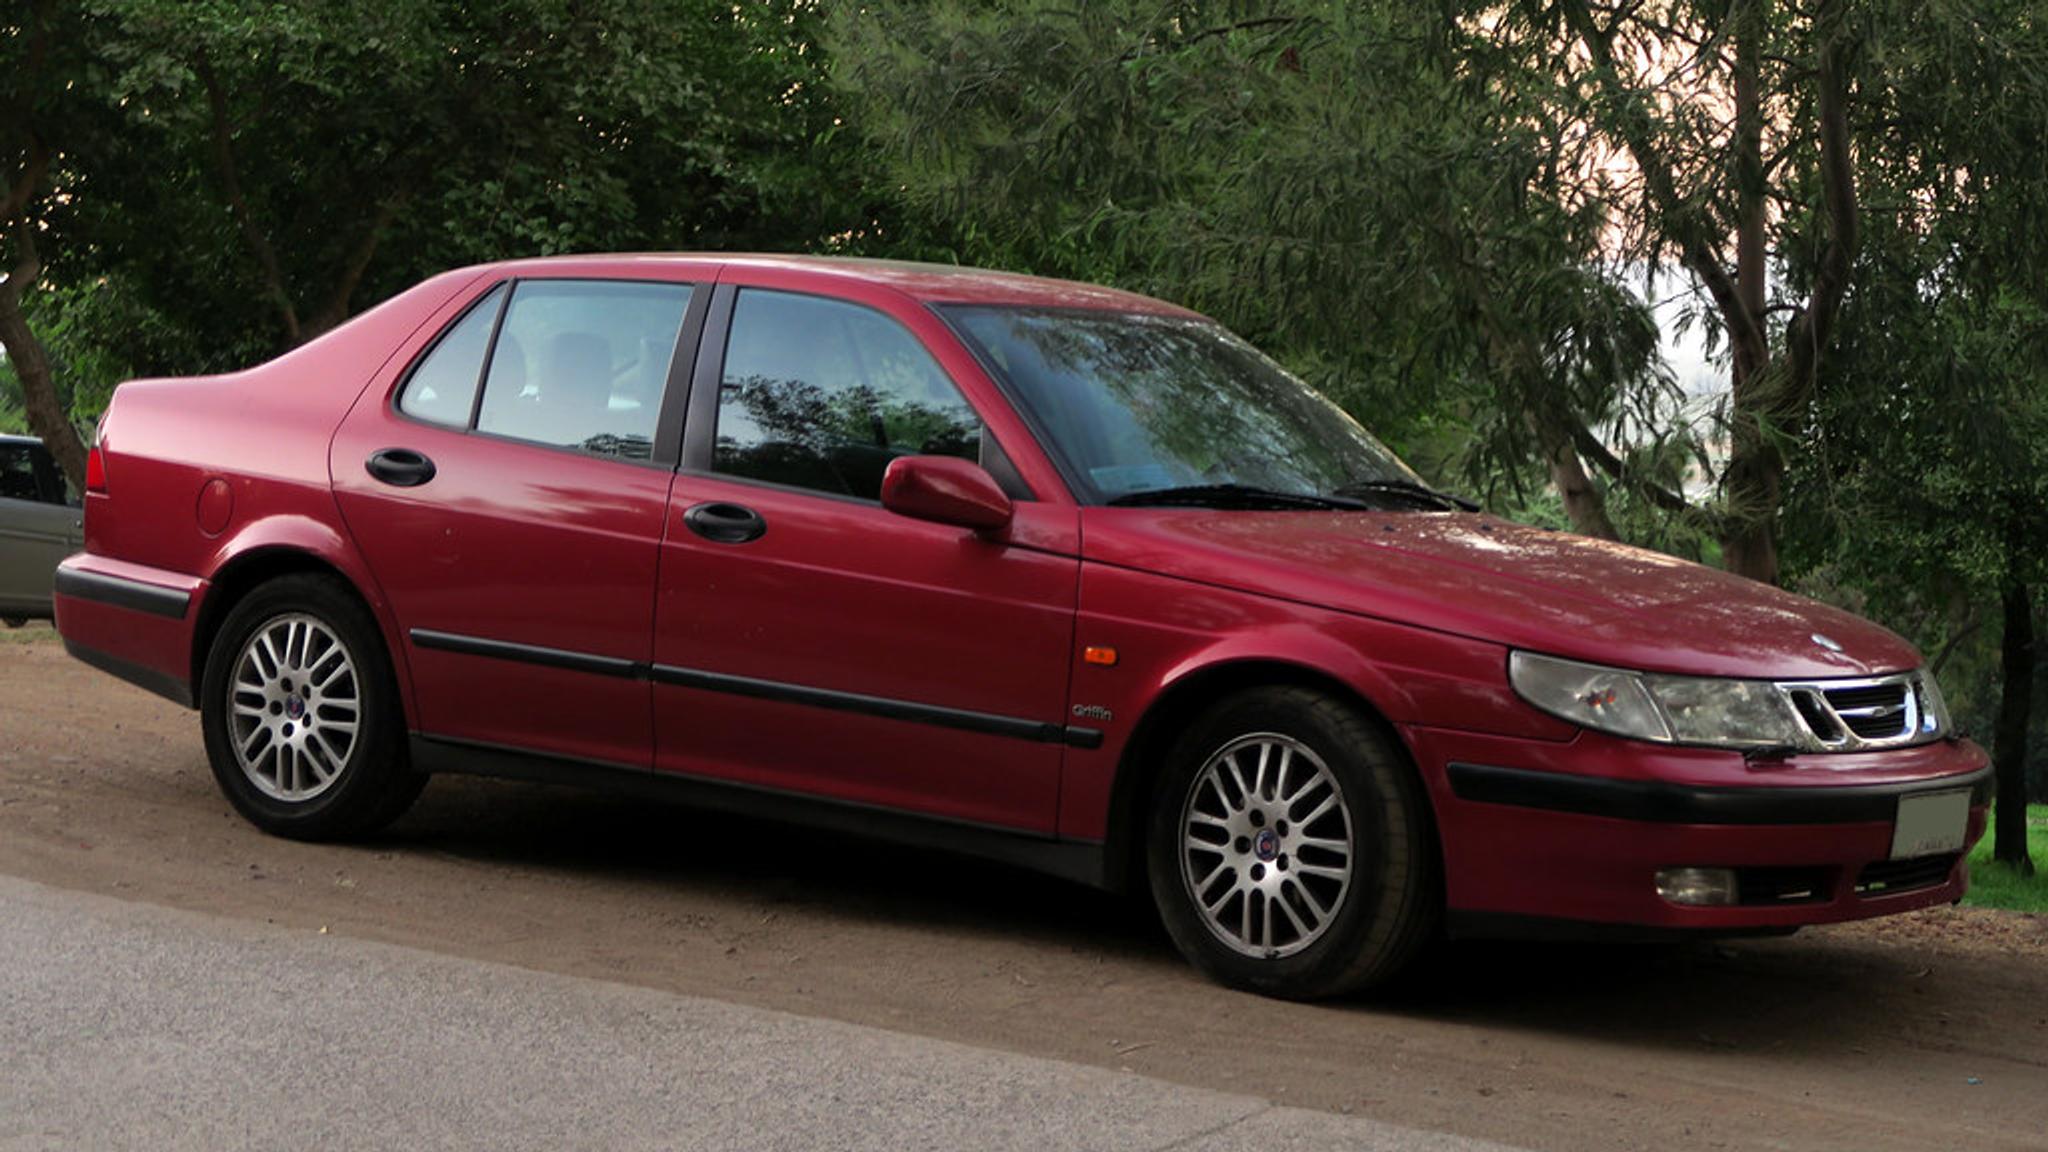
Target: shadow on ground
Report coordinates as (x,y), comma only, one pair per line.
(1825,992)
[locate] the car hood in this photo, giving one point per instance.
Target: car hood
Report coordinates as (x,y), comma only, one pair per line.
(1492,579)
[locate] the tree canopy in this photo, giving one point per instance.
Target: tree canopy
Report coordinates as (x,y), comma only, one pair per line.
(1449,217)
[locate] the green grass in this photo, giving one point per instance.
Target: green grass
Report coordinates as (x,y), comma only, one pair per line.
(1994,885)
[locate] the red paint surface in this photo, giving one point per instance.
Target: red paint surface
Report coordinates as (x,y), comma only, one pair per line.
(1414,614)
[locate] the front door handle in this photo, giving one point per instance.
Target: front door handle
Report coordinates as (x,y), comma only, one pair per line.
(723,523)
(400,467)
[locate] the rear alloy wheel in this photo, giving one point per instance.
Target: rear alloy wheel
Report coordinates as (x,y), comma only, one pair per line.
(295,708)
(1290,847)
(300,713)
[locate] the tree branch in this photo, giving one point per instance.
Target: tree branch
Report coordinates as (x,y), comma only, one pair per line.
(238,205)
(46,415)
(21,191)
(1194,38)
(1590,447)
(1808,331)
(339,302)
(28,266)
(1955,640)
(1695,250)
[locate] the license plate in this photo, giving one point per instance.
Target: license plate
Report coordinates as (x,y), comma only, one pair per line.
(1931,824)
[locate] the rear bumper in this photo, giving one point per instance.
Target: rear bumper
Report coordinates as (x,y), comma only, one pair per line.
(131,621)
(1555,835)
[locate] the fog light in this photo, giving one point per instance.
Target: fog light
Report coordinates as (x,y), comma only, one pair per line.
(1697,886)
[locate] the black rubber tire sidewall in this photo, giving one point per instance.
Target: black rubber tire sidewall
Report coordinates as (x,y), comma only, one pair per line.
(1391,908)
(376,782)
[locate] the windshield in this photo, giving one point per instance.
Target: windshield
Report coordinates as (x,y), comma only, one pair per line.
(1135,404)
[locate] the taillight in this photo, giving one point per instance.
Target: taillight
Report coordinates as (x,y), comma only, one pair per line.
(95,470)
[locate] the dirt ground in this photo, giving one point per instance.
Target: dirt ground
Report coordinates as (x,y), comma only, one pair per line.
(1921,1032)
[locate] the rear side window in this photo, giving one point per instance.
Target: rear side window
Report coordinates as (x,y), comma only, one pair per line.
(443,388)
(822,394)
(582,364)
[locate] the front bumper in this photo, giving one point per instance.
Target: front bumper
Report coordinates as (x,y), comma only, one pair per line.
(1573,833)
(131,621)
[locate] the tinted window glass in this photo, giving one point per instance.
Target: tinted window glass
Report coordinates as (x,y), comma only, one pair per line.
(57,487)
(582,363)
(1143,403)
(443,387)
(823,394)
(18,474)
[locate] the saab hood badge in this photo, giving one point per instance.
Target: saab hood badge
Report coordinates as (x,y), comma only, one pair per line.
(1827,642)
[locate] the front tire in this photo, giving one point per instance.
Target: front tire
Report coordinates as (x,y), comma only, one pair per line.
(300,713)
(1290,848)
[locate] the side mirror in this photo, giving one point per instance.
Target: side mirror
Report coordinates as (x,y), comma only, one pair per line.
(945,490)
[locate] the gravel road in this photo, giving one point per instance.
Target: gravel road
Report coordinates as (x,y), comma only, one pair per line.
(1921,1032)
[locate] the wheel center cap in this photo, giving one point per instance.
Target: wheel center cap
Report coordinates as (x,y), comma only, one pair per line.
(1266,845)
(294,707)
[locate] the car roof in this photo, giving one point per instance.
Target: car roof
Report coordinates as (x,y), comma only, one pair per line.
(927,283)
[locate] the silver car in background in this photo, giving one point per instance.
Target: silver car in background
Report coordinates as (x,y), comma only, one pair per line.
(39,526)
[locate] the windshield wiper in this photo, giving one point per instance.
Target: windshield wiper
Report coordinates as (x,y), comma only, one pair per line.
(1233,496)
(1407,490)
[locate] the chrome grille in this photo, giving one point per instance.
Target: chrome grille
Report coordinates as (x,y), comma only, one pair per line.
(1849,715)
(1873,712)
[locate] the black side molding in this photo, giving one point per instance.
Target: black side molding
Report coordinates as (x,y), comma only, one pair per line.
(1658,802)
(529,654)
(133,595)
(167,686)
(983,722)
(1081,861)
(987,723)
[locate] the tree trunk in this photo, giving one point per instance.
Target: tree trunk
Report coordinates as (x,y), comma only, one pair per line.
(1585,505)
(1754,482)
(46,415)
(2009,744)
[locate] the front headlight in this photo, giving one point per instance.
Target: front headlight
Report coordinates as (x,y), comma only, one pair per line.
(1651,706)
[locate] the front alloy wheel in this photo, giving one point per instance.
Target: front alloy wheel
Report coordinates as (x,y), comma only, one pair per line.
(1290,847)
(1267,846)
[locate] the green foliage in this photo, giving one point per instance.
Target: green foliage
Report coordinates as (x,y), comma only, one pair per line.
(255,172)
(1922,484)
(1325,178)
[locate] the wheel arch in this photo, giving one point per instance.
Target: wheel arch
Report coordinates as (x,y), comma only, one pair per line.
(258,563)
(1183,698)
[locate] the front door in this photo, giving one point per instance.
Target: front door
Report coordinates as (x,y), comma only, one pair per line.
(808,640)
(509,498)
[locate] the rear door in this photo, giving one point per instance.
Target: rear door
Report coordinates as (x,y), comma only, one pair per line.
(508,492)
(39,526)
(808,640)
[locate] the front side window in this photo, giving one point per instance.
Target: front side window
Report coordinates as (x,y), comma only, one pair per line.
(823,394)
(582,364)
(1138,404)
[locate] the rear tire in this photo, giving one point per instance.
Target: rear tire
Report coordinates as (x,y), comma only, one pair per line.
(300,713)
(1290,847)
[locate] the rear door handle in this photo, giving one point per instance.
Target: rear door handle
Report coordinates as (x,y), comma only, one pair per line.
(400,467)
(723,523)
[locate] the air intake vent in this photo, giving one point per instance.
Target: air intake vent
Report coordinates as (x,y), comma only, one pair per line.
(1872,711)
(1893,876)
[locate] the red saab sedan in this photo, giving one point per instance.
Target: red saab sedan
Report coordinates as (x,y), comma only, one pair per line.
(1035,570)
